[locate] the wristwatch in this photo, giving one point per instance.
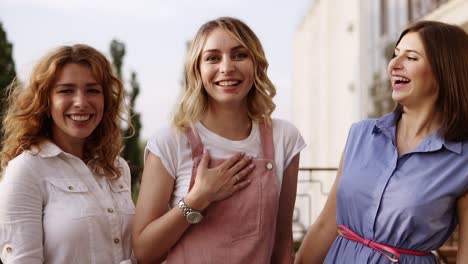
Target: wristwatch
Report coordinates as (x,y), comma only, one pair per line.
(191,215)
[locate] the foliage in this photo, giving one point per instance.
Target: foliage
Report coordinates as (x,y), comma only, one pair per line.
(132,151)
(7,68)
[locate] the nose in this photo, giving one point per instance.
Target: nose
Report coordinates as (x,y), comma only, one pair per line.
(227,66)
(395,63)
(80,100)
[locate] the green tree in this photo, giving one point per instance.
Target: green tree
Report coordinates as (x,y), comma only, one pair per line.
(7,68)
(132,152)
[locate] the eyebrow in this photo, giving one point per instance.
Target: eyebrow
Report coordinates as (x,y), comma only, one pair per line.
(72,84)
(238,47)
(410,50)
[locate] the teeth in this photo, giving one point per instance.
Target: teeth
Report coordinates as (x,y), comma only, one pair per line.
(80,117)
(228,83)
(400,79)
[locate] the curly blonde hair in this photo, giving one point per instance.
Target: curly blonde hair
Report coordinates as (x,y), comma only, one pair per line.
(194,102)
(27,119)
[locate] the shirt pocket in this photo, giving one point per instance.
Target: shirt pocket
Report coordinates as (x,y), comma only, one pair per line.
(122,196)
(72,196)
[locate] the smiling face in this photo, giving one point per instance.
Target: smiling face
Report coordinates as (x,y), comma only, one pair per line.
(77,104)
(413,82)
(226,68)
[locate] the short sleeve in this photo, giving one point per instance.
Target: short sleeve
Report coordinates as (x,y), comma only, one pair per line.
(164,144)
(293,140)
(21,200)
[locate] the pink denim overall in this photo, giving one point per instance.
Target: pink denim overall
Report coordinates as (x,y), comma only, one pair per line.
(240,229)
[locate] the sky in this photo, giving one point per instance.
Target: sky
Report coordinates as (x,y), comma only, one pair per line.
(155,33)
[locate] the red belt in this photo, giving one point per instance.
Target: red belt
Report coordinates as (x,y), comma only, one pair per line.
(392,253)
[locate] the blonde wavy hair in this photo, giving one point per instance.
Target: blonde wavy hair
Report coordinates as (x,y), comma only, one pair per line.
(194,102)
(27,119)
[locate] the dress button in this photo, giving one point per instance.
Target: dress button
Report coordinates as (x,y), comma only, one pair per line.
(70,188)
(116,240)
(269,166)
(110,210)
(9,249)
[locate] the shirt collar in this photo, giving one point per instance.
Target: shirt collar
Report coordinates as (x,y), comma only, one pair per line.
(387,125)
(45,149)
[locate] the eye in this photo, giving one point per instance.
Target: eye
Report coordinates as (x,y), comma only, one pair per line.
(212,58)
(94,90)
(240,55)
(394,55)
(64,90)
(412,58)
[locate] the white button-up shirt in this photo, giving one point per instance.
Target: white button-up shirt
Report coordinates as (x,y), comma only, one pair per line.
(54,209)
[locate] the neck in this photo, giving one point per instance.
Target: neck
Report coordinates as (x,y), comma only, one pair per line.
(74,147)
(230,123)
(419,123)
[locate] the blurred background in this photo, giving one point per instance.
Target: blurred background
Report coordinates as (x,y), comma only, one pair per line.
(328,60)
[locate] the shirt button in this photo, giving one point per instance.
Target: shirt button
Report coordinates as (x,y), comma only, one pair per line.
(110,210)
(121,186)
(9,249)
(70,188)
(116,240)
(269,166)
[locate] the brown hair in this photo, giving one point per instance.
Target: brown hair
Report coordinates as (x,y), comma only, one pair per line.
(447,49)
(27,120)
(194,101)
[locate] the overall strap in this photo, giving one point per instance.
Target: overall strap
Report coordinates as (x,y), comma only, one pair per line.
(266,137)
(195,142)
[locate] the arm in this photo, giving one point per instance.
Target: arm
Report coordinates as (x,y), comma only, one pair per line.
(322,232)
(156,225)
(462,209)
(20,216)
(283,249)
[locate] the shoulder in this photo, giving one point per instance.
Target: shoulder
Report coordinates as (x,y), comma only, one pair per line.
(167,134)
(361,127)
(284,131)
(23,168)
(283,126)
(365,124)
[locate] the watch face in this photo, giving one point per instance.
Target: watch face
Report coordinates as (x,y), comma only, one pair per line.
(194,217)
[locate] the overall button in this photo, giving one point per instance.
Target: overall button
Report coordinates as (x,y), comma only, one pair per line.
(116,240)
(269,166)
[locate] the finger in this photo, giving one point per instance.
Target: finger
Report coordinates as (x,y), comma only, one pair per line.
(246,171)
(231,161)
(241,185)
(205,159)
(241,164)
(235,179)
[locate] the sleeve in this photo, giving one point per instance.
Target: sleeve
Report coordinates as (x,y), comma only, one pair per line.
(294,142)
(21,203)
(165,144)
(126,174)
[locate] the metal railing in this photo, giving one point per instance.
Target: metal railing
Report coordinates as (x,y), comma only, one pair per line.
(309,179)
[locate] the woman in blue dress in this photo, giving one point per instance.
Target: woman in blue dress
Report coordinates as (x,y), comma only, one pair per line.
(402,183)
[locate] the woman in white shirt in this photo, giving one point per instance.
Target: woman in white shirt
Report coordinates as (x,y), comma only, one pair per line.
(233,203)
(65,192)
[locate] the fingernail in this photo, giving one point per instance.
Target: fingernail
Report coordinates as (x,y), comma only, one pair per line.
(251,165)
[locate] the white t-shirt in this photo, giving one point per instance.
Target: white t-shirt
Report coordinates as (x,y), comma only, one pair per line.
(172,147)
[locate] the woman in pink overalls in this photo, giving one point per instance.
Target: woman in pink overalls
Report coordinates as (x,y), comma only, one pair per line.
(219,184)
